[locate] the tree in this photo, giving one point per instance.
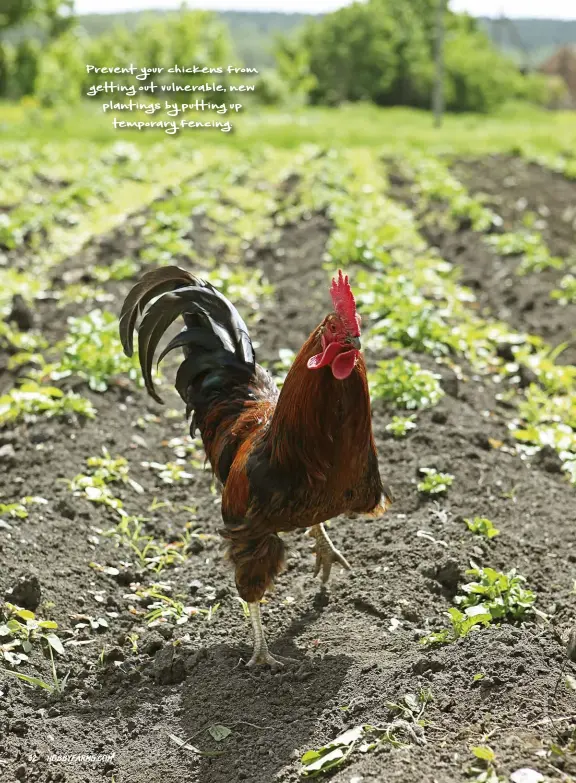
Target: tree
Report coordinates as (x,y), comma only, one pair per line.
(383,51)
(12,12)
(54,16)
(26,65)
(5,69)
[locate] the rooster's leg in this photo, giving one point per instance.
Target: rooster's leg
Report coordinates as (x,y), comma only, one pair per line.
(262,655)
(326,553)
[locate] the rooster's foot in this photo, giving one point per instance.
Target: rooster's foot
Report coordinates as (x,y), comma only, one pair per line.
(265,658)
(262,655)
(326,553)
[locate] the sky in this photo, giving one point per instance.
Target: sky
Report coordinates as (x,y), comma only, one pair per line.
(551,9)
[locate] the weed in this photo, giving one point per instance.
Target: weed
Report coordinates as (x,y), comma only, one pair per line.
(92,350)
(104,470)
(502,595)
(405,384)
(493,597)
(19,633)
(400,426)
(434,483)
(482,527)
(31,400)
(406,727)
(162,608)
(170,472)
(566,294)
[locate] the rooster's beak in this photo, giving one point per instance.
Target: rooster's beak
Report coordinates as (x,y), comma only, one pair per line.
(355,341)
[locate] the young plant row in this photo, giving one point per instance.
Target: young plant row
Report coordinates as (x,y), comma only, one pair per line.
(411,299)
(233,198)
(435,189)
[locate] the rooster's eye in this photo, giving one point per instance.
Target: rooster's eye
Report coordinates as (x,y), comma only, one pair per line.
(332,327)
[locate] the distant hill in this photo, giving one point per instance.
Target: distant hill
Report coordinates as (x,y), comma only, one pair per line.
(252,33)
(529,41)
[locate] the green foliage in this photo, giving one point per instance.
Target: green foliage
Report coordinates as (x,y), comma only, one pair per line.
(405,384)
(405,727)
(5,68)
(12,12)
(62,70)
(171,472)
(19,510)
(434,483)
(293,72)
(161,41)
(478,77)
(382,52)
(119,269)
(93,351)
(162,608)
(21,630)
(461,625)
(482,527)
(493,597)
(502,595)
(566,294)
(26,66)
(400,426)
(103,471)
(529,244)
(32,399)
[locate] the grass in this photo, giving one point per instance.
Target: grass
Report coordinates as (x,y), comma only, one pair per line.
(355,125)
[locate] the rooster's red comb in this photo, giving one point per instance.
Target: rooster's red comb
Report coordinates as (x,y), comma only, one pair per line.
(344,303)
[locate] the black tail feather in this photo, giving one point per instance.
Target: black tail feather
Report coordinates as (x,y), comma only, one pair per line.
(214,336)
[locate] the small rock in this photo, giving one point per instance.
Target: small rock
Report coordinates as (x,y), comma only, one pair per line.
(439,417)
(26,593)
(449,384)
(427,663)
(19,727)
(7,454)
(21,314)
(169,667)
(432,461)
(547,459)
(504,351)
(166,631)
(447,573)
(526,377)
(151,647)
(114,654)
(65,508)
(20,772)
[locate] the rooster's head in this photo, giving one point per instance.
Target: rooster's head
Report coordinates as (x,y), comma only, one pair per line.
(339,332)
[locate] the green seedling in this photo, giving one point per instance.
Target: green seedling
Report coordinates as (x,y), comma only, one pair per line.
(493,597)
(400,426)
(482,527)
(405,384)
(170,472)
(434,482)
(402,730)
(32,400)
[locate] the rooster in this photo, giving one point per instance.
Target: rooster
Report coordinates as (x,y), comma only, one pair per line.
(286,460)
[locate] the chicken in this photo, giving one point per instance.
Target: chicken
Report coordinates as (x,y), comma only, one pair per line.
(286,460)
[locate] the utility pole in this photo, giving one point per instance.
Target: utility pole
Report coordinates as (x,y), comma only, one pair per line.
(438,94)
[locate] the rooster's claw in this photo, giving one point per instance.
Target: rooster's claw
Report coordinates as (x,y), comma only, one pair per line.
(326,553)
(265,658)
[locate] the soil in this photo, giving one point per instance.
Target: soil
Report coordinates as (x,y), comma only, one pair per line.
(356,644)
(512,187)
